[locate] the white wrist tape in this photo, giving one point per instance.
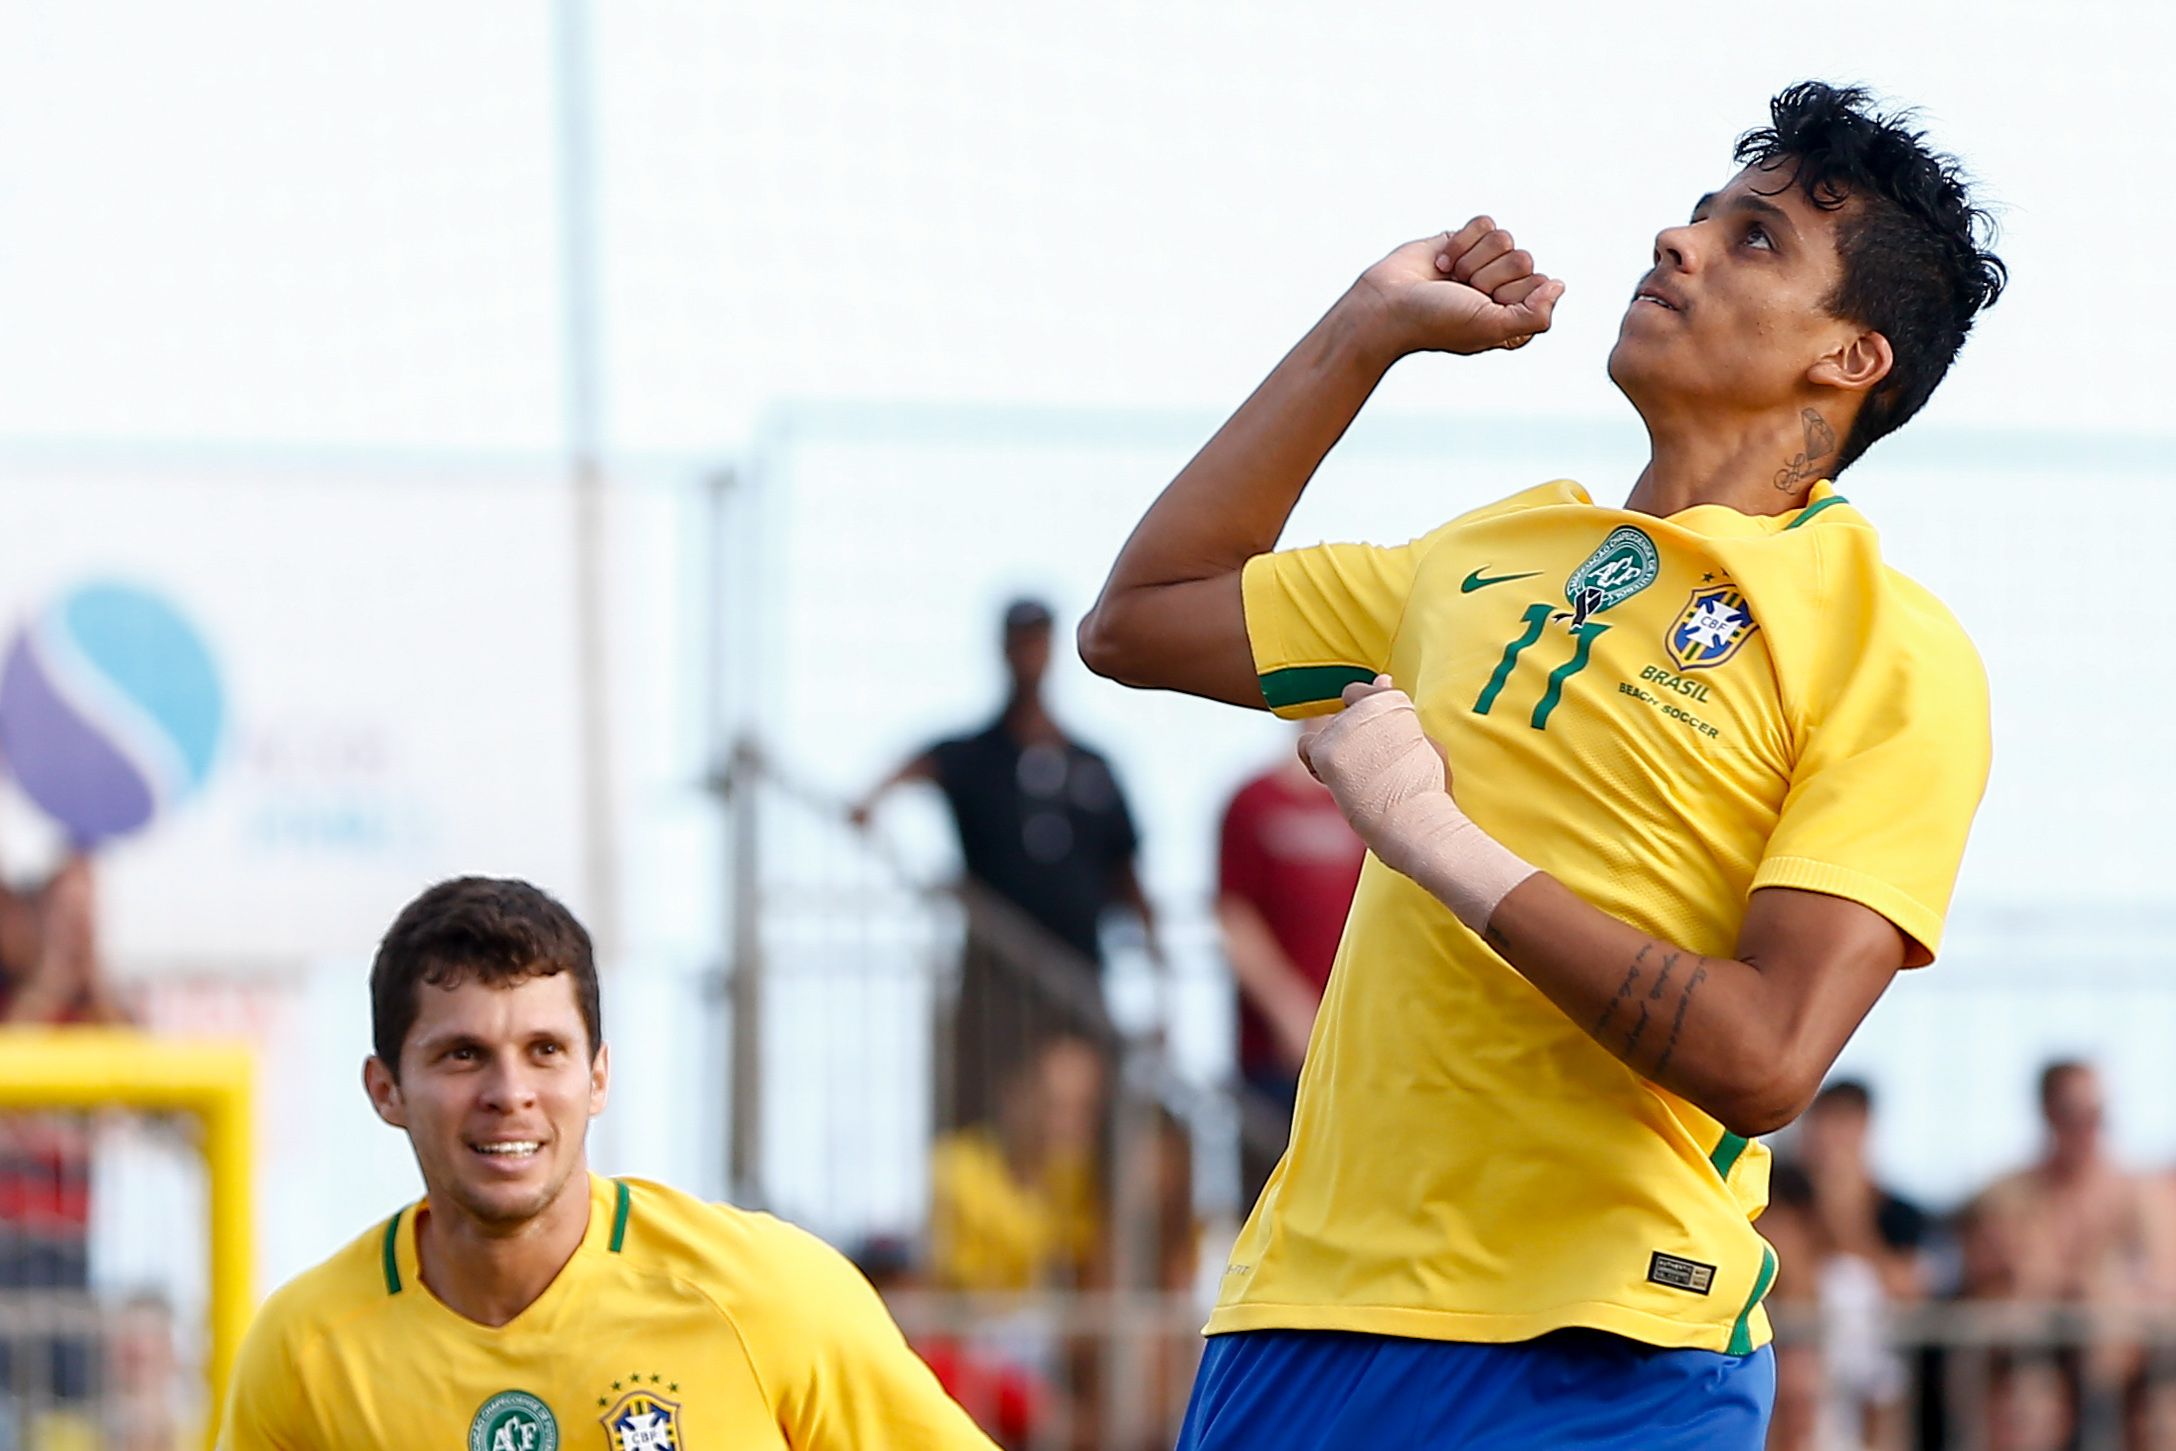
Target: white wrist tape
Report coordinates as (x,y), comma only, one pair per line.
(1388,780)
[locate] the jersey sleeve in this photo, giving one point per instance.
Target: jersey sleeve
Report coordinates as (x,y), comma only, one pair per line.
(264,1410)
(842,1376)
(1893,754)
(1322,618)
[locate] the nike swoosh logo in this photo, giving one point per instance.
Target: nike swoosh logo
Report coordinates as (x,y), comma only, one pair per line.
(1474,581)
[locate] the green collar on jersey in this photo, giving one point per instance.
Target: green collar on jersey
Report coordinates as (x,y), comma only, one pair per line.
(621,1202)
(622,1205)
(1727,1150)
(1813,509)
(392,1253)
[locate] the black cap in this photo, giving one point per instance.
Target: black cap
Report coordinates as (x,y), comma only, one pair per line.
(1026,614)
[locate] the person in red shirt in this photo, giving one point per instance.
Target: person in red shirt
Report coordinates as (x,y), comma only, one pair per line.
(1286,868)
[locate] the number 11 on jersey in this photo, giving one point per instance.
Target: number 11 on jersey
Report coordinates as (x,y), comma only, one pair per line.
(1537,619)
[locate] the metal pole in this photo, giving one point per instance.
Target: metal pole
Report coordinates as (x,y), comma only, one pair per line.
(745,988)
(736,779)
(584,445)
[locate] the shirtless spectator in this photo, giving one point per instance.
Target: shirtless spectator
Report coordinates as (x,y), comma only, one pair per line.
(2073,1229)
(49,969)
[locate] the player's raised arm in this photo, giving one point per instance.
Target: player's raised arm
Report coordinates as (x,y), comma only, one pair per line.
(1170,615)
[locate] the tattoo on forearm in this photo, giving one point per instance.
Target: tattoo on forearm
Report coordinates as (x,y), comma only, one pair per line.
(1820,443)
(1677,1024)
(1624,990)
(1632,1039)
(1663,981)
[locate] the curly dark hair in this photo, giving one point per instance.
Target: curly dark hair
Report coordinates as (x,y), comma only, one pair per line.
(493,928)
(1916,264)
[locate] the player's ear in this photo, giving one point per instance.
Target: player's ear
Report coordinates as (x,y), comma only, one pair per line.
(1856,364)
(384,1091)
(600,1076)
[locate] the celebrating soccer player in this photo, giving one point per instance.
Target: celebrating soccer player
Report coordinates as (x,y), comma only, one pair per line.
(1660,798)
(524,1303)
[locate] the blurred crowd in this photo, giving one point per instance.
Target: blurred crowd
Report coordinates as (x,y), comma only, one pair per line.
(2057,1281)
(66,1387)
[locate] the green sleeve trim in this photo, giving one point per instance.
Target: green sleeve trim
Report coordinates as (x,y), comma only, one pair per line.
(1741,1334)
(392,1253)
(1725,1155)
(619,1214)
(1311,684)
(1813,509)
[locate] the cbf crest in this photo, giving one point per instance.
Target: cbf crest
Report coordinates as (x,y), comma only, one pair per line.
(1711,627)
(643,1421)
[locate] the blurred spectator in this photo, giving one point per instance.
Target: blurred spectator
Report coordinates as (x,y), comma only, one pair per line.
(1287,864)
(49,975)
(2073,1229)
(1043,825)
(1008,1399)
(1859,1215)
(49,968)
(1791,1224)
(1161,1375)
(1015,1206)
(142,1377)
(1867,1243)
(1014,1203)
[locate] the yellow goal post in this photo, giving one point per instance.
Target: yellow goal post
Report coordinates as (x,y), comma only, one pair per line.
(91,1068)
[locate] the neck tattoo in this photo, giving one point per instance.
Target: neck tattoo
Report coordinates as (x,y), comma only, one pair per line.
(1820,443)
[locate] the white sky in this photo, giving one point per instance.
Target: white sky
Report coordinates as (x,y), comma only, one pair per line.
(335,224)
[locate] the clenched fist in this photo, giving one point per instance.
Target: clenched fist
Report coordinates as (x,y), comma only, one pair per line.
(1462,292)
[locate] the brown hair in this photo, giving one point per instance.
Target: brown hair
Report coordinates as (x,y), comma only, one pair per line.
(1846,1093)
(2053,1076)
(496,929)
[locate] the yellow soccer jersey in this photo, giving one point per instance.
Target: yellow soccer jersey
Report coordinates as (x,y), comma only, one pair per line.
(1665,714)
(677,1326)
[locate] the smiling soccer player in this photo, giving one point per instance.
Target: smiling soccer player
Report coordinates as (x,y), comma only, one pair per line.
(1713,762)
(525,1303)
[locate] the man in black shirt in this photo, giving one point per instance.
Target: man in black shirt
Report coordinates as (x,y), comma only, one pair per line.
(1043,826)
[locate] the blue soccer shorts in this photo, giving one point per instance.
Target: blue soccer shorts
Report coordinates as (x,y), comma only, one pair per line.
(1574,1390)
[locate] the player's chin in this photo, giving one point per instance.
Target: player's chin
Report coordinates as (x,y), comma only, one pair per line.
(503,1188)
(1638,360)
(508,1204)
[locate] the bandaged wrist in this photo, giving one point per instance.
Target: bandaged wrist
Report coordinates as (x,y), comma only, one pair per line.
(1389,782)
(1430,840)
